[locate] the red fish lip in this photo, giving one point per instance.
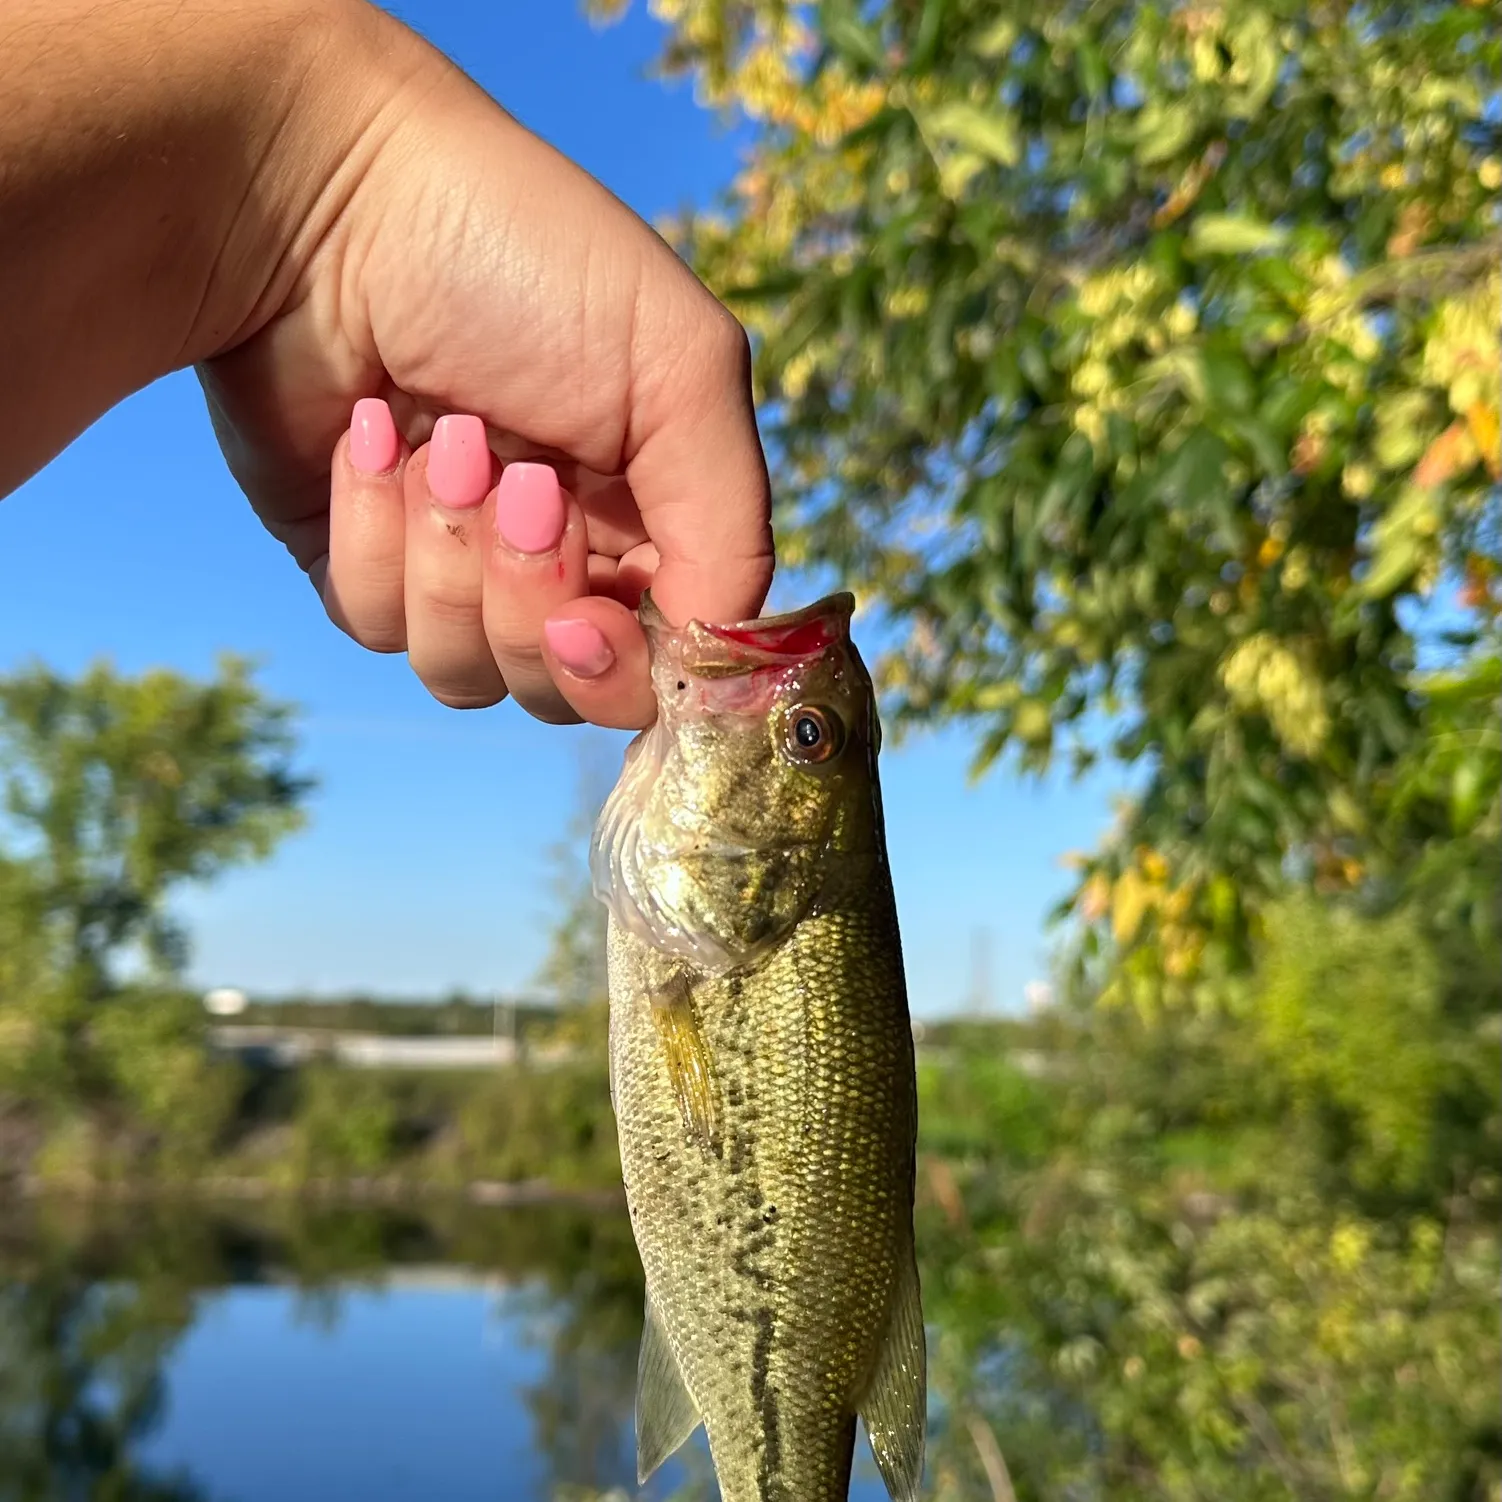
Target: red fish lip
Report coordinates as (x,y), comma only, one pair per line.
(802,639)
(779,641)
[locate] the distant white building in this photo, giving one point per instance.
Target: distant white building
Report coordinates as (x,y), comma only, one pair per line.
(225,1001)
(1038,995)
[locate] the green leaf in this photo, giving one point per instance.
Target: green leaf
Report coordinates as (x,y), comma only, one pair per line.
(1254,45)
(854,42)
(930,29)
(1280,277)
(1163,130)
(770,289)
(996,38)
(1233,235)
(1260,439)
(1035,367)
(1196,469)
(1094,73)
(989,133)
(1467,784)
(1228,380)
(1393,566)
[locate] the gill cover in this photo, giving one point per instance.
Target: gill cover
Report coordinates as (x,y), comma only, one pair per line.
(710,846)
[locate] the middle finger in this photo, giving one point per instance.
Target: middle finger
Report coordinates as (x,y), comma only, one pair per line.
(448,482)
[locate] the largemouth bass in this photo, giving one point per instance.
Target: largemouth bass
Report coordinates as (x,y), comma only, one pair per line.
(761,1062)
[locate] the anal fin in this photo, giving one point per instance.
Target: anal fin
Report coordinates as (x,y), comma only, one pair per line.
(665,1413)
(895,1406)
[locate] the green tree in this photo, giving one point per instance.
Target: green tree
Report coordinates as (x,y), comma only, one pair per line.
(1138,362)
(117,791)
(1140,359)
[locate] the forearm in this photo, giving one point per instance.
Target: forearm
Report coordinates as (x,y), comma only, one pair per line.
(151,199)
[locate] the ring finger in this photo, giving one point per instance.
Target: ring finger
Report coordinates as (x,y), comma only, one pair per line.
(563,656)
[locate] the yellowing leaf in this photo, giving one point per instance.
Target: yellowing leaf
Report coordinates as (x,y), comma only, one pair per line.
(956,170)
(1486,430)
(1129,903)
(1452,453)
(1401,421)
(1032,721)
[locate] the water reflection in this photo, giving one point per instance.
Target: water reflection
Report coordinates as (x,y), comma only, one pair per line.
(114,1324)
(81,1363)
(281,1353)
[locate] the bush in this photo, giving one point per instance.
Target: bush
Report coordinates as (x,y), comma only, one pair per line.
(555,1124)
(346,1124)
(151,1051)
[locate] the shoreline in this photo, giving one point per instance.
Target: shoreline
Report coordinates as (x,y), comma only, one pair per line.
(365,1190)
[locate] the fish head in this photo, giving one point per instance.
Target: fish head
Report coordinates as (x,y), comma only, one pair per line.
(752,792)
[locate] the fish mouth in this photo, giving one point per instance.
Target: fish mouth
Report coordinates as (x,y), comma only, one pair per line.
(773,641)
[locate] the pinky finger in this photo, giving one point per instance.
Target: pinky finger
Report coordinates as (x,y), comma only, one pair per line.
(597,655)
(363,583)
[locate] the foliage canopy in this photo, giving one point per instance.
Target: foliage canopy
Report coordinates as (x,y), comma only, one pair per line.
(1140,359)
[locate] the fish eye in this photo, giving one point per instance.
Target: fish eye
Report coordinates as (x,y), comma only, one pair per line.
(814,734)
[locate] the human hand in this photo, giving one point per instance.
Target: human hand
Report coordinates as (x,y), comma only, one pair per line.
(494,318)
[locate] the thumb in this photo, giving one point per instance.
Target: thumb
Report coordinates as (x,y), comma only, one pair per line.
(693,458)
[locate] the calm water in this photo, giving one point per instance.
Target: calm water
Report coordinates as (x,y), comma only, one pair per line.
(185,1355)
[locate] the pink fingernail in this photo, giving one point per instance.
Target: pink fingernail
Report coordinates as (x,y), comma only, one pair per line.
(459,462)
(372,437)
(529,513)
(579,646)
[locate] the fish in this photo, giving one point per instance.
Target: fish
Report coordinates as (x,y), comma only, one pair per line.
(761,1062)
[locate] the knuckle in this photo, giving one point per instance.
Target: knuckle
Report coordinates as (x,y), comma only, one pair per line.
(728,347)
(387,640)
(380,631)
(515,649)
(454,696)
(450,609)
(456,681)
(553,713)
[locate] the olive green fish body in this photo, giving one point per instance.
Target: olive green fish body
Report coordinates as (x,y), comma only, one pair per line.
(763,1082)
(773,1260)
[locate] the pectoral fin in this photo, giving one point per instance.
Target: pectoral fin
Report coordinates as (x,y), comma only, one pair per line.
(689,1067)
(895,1407)
(665,1414)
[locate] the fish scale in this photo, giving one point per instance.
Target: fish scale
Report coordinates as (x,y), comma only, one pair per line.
(766,1105)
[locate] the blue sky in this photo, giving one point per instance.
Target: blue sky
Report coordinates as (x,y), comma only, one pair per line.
(425,864)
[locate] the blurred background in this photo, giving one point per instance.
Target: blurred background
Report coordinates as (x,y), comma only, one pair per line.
(1137,364)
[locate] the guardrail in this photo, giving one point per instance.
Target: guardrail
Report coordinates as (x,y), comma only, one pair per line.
(288,1047)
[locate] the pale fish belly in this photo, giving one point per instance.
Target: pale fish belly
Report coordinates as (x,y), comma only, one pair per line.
(779,1266)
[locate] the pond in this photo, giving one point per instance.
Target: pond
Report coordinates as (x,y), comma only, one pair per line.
(183,1354)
